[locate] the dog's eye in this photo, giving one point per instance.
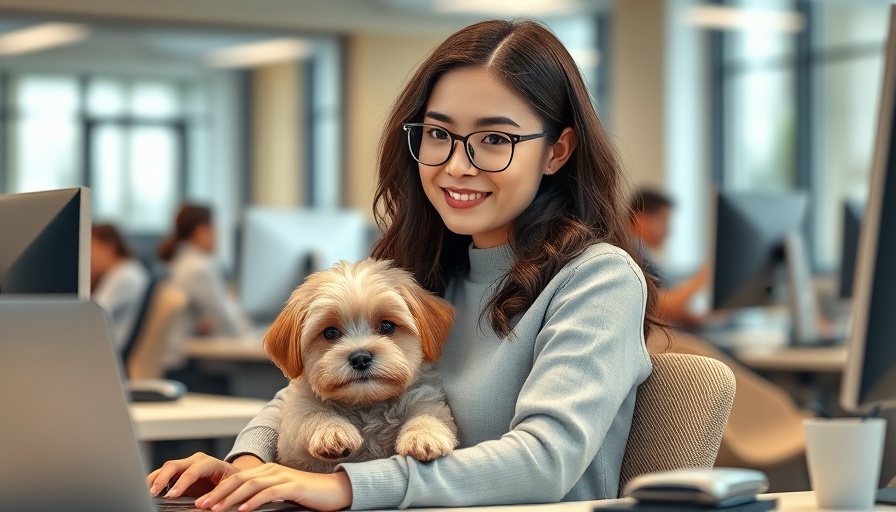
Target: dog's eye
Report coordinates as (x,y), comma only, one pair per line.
(386,327)
(331,333)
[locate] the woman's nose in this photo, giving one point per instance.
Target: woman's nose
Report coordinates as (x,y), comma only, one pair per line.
(460,164)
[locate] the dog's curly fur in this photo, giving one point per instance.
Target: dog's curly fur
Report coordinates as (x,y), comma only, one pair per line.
(358,343)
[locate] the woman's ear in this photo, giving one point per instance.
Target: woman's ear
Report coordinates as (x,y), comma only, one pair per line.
(561,151)
(282,342)
(434,316)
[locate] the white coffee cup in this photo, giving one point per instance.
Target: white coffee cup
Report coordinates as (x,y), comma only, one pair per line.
(844,457)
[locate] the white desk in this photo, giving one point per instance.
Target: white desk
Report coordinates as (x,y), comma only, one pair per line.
(193,416)
(242,361)
(770,350)
(787,502)
(225,349)
(794,359)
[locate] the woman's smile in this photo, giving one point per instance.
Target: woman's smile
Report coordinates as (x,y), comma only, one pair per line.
(463,198)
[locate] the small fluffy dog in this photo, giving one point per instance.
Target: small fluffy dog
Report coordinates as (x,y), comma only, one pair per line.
(358,343)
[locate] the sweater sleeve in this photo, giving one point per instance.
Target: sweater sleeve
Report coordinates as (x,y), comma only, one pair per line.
(259,438)
(588,357)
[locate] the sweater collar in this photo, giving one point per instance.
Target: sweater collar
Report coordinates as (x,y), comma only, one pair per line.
(490,265)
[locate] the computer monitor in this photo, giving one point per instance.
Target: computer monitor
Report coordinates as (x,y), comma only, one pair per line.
(760,257)
(280,247)
(870,373)
(853,212)
(45,243)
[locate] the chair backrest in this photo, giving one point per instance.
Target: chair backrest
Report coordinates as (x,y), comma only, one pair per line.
(139,321)
(765,427)
(680,415)
(166,307)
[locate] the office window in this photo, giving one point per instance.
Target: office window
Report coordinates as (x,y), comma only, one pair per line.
(848,71)
(135,159)
(799,110)
(760,111)
(126,138)
(46,116)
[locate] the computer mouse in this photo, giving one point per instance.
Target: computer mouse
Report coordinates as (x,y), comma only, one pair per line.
(154,390)
(699,486)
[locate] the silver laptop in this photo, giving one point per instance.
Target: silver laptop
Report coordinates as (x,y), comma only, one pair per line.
(65,433)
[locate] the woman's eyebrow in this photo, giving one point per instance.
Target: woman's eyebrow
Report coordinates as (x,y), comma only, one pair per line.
(491,121)
(438,116)
(480,123)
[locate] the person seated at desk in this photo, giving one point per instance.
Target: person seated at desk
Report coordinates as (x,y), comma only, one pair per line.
(649,227)
(499,190)
(210,311)
(118,282)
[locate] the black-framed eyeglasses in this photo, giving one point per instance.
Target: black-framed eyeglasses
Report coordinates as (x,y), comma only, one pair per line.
(488,150)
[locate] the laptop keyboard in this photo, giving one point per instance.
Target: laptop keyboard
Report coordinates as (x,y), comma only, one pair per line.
(186,505)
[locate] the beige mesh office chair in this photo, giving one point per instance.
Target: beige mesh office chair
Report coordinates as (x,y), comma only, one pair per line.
(166,307)
(680,415)
(765,429)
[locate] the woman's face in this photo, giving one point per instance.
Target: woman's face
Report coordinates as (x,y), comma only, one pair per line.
(470,201)
(203,237)
(102,257)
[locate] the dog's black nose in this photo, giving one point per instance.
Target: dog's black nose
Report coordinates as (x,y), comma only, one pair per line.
(360,360)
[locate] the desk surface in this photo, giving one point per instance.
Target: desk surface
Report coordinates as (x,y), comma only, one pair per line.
(787,502)
(193,416)
(225,349)
(769,350)
(246,348)
(799,359)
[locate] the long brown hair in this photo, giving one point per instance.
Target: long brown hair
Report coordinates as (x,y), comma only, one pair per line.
(581,204)
(189,217)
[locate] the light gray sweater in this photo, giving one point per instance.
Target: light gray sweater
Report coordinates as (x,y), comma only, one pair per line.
(543,415)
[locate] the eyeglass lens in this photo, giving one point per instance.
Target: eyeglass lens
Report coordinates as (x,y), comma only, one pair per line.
(489,151)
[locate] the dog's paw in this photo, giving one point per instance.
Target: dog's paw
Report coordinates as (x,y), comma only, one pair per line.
(425,438)
(333,442)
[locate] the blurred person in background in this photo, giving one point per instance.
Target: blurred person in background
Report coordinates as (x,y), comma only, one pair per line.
(211,311)
(118,282)
(649,227)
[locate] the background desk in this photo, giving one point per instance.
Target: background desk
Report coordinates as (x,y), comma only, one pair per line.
(193,416)
(226,349)
(794,359)
(242,361)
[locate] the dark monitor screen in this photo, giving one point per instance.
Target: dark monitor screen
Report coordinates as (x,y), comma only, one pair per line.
(849,246)
(870,374)
(749,264)
(45,243)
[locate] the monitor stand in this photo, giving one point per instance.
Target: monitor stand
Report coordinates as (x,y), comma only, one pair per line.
(803,302)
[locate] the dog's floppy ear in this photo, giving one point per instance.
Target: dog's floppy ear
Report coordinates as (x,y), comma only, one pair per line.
(282,343)
(434,316)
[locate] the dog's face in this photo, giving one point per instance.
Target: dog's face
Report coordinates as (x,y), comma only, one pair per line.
(359,333)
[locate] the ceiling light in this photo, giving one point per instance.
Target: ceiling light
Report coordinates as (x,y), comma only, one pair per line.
(507,7)
(736,18)
(260,53)
(42,37)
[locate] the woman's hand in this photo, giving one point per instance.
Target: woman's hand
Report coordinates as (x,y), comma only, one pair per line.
(271,482)
(194,476)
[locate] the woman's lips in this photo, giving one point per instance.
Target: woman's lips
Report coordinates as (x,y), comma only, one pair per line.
(464,198)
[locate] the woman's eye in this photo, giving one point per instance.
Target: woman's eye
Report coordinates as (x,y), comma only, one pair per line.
(331,333)
(435,133)
(495,138)
(386,327)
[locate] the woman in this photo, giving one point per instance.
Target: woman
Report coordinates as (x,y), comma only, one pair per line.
(499,190)
(188,252)
(119,282)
